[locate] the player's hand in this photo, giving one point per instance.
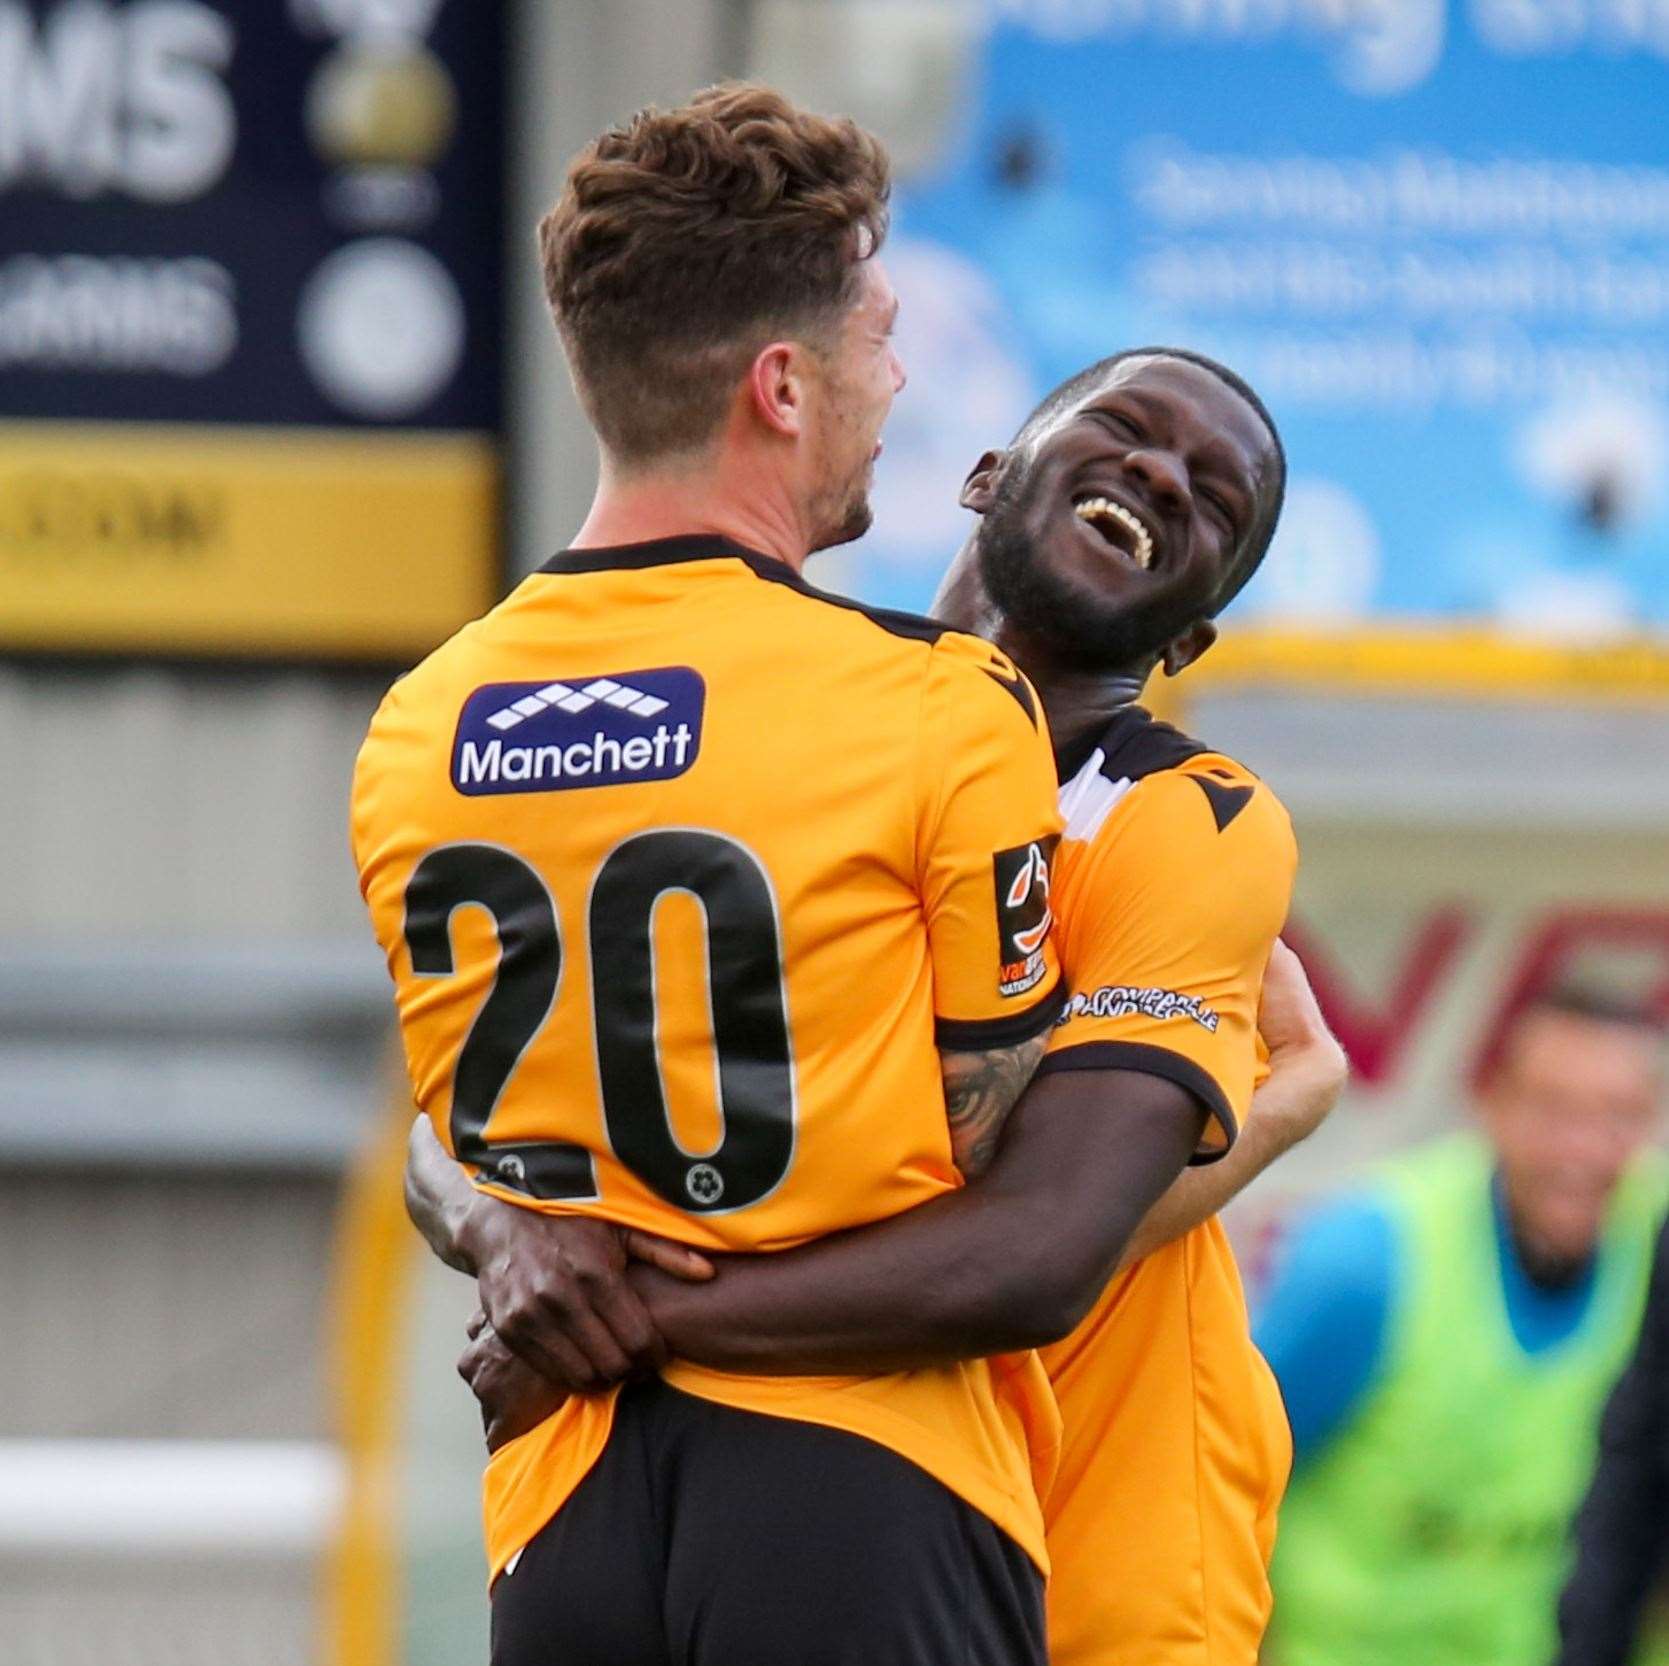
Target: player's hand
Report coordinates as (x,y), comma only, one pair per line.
(554,1289)
(513,1396)
(1302,1050)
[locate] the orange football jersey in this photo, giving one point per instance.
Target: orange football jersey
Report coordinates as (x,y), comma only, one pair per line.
(684,871)
(1170,886)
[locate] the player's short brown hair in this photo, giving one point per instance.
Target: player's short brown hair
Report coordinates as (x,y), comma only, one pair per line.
(686,239)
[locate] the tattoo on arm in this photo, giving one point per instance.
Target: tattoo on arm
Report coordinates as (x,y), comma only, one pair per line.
(980,1090)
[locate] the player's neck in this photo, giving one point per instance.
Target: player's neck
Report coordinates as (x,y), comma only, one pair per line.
(1552,1271)
(692,496)
(1078,703)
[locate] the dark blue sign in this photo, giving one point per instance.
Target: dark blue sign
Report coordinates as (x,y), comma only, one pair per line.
(258,213)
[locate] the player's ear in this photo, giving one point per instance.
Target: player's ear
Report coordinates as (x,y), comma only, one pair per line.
(979,490)
(777,387)
(1182,651)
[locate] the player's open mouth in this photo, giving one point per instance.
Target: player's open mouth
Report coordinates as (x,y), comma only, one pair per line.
(1119,526)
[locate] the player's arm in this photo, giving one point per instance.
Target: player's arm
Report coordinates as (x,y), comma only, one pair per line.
(439,1200)
(1308,1070)
(553,1287)
(986,828)
(1018,1258)
(1177,908)
(821,1307)
(1011,1262)
(1040,1196)
(980,1091)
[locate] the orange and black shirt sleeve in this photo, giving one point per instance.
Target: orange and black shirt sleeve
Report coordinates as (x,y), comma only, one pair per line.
(987,830)
(1170,912)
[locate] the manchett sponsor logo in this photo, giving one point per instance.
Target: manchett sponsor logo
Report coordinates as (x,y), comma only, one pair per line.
(601,731)
(1122,1000)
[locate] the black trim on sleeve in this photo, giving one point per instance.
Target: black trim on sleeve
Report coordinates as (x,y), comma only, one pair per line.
(980,1035)
(1152,1061)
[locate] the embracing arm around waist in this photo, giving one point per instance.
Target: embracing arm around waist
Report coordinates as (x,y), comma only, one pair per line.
(1077,1190)
(552,1286)
(1009,1263)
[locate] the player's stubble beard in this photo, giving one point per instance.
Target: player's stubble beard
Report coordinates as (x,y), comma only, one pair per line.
(1084,631)
(840,512)
(846,518)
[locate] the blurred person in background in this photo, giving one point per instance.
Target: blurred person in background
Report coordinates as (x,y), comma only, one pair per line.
(1444,1339)
(1622,1529)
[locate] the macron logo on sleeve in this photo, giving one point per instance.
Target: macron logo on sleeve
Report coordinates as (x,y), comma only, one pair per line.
(608,731)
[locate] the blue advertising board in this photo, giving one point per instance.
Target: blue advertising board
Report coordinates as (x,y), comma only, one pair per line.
(1434,235)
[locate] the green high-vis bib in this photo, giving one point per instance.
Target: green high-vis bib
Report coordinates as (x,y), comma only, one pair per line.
(1433,1529)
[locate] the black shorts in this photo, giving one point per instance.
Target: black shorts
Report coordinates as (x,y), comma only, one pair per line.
(709,1536)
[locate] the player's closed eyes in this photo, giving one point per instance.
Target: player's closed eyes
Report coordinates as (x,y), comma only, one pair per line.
(1221,511)
(1118,423)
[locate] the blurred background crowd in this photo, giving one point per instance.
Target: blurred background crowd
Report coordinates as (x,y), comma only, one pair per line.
(280,408)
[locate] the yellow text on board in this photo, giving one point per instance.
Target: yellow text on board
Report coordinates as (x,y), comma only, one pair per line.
(262,542)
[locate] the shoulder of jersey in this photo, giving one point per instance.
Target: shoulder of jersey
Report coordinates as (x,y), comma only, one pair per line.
(421,705)
(909,627)
(949,646)
(430,677)
(913,627)
(974,656)
(1135,748)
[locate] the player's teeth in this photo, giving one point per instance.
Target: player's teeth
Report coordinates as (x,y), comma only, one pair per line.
(1092,507)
